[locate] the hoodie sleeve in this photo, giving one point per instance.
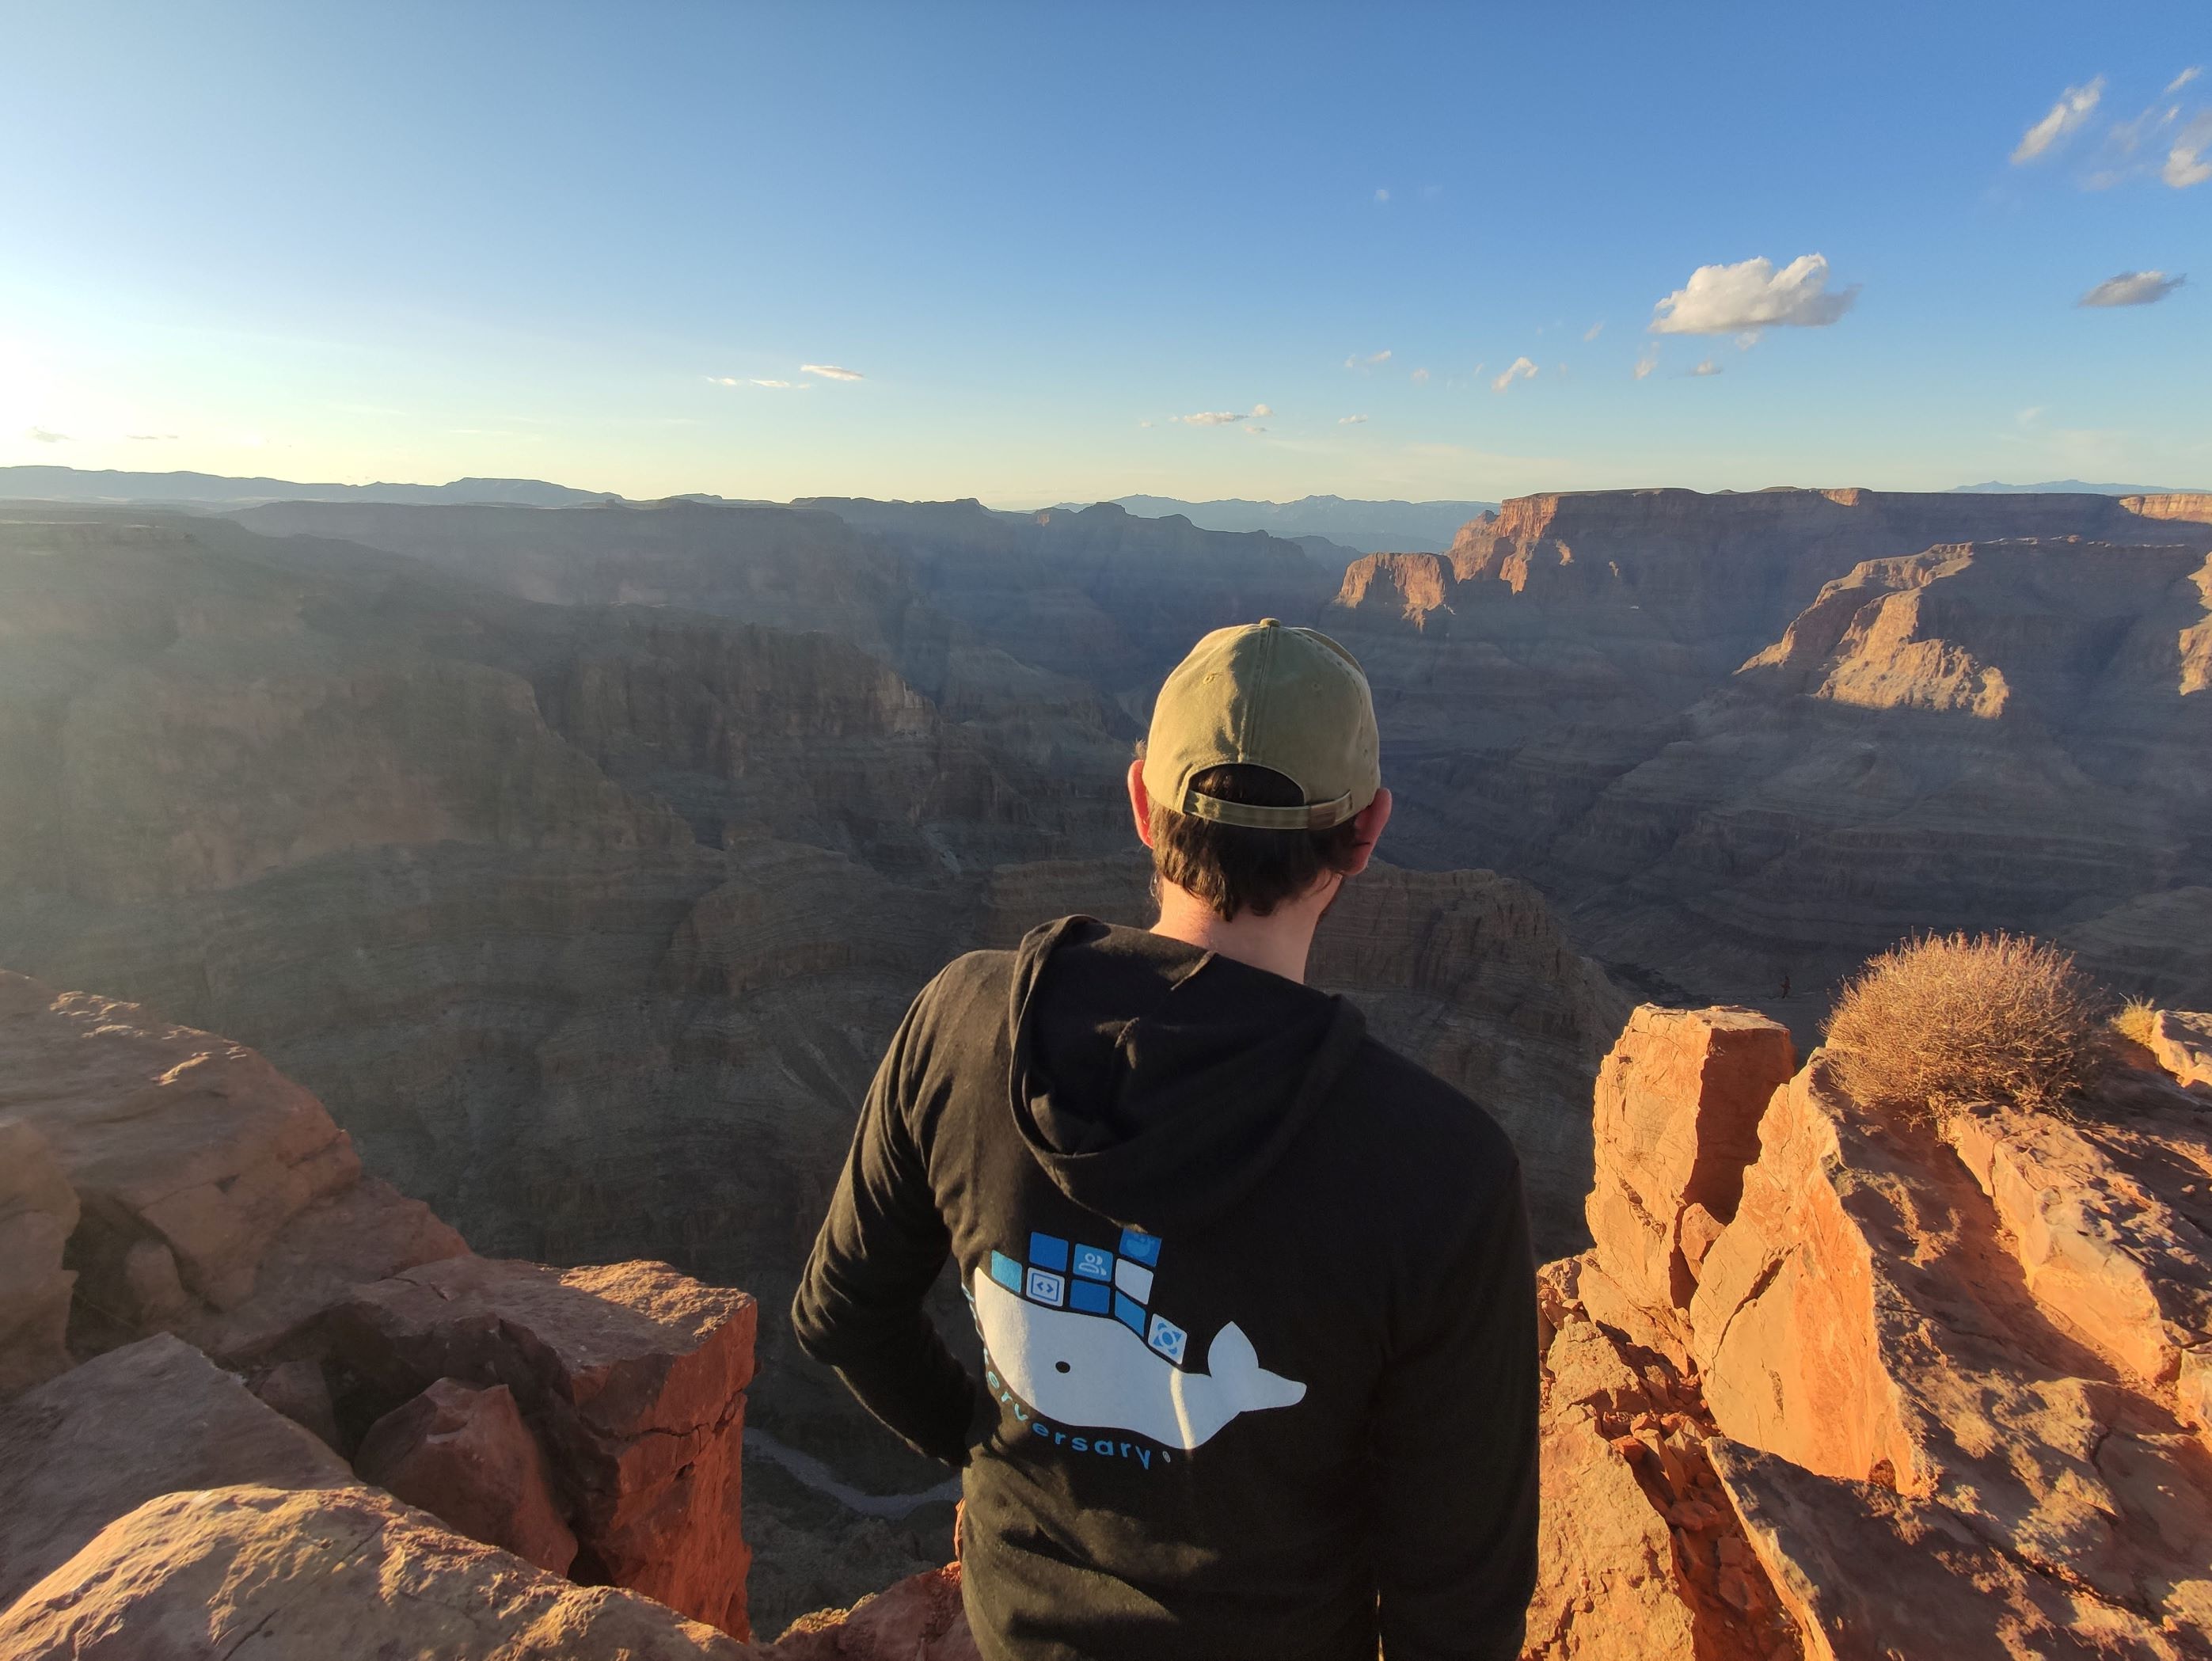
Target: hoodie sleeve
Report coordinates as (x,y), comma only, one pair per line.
(859,1308)
(1454,1443)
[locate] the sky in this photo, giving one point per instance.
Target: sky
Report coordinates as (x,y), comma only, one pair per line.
(1053,252)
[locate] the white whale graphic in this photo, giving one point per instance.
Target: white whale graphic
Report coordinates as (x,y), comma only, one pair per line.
(1091,1370)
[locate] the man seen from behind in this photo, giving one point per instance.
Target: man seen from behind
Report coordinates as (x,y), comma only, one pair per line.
(1256,1292)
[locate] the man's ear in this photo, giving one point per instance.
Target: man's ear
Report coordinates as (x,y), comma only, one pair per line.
(1141,804)
(1367,831)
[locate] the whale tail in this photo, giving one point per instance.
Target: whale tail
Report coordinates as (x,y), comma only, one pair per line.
(1246,1386)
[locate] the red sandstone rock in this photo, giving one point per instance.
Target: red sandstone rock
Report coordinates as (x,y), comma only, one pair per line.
(169,1135)
(1870,1575)
(1863,1319)
(633,1376)
(219,1199)
(83,1449)
(1678,1107)
(299,1391)
(2104,1253)
(919,1619)
(2182,1041)
(465,1456)
(257,1571)
(1639,1554)
(38,1210)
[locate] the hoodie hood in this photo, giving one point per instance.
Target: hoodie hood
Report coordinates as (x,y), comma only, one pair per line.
(1156,1082)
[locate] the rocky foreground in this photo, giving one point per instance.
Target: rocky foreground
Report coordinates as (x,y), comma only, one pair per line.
(1827,1385)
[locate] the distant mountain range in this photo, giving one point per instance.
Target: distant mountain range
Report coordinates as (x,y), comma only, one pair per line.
(1372,527)
(2075,486)
(37,483)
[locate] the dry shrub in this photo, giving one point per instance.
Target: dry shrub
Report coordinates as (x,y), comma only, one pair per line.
(2137,1020)
(1947,1021)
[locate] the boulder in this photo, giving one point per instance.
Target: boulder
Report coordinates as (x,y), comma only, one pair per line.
(1676,1121)
(2182,1041)
(219,1198)
(2090,1212)
(632,1378)
(465,1456)
(253,1570)
(38,1211)
(919,1619)
(299,1391)
(82,1450)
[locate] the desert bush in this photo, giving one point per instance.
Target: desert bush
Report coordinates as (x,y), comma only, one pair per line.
(1945,1021)
(2137,1020)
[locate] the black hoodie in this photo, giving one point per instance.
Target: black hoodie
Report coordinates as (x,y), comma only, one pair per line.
(1257,1305)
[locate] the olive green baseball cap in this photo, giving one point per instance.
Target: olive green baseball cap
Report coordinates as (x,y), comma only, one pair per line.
(1267,694)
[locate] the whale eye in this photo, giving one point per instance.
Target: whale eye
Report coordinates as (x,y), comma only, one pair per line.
(1059,1366)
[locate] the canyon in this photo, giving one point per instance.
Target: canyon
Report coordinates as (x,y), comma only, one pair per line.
(578,861)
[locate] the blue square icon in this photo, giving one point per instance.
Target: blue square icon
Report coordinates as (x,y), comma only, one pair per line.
(1094,1263)
(1128,1314)
(1092,1297)
(1005,1271)
(1167,1338)
(1048,1252)
(1045,1288)
(1144,1248)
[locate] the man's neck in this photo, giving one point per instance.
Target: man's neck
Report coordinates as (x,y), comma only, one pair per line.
(1277,943)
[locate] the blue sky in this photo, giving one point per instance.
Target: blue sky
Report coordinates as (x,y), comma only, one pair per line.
(574,242)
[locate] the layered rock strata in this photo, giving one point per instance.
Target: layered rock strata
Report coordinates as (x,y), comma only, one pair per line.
(1746,739)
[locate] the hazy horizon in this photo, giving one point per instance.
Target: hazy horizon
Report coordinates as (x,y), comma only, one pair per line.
(1041,256)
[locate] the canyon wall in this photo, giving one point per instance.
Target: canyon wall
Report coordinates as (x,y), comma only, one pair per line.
(1743,740)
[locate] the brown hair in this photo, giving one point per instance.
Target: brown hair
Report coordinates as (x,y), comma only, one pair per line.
(1234,869)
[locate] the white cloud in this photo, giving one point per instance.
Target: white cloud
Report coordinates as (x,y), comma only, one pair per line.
(2075,105)
(1648,361)
(830,372)
(1595,330)
(1708,366)
(2183,79)
(1420,377)
(1370,361)
(2187,163)
(2133,289)
(1256,429)
(1751,295)
(1519,369)
(1381,195)
(2030,416)
(1350,421)
(41,435)
(1224,418)
(150,438)
(1143,423)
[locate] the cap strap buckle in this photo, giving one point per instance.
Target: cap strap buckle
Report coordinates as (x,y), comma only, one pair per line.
(1314,816)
